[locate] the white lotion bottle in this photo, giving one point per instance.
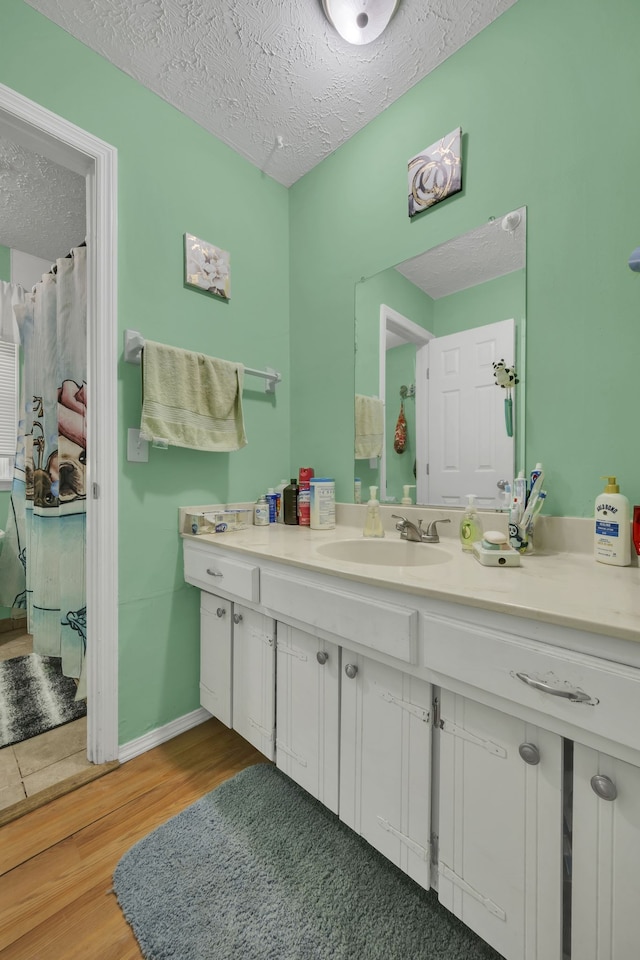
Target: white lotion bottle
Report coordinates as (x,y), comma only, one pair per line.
(406,496)
(612,535)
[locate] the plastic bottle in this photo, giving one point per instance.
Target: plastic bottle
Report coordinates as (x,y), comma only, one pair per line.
(272,500)
(323,503)
(373,523)
(304,504)
(520,489)
(612,526)
(470,525)
(279,488)
(290,501)
(406,498)
(261,512)
(357,490)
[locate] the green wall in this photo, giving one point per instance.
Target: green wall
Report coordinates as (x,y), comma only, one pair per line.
(501,299)
(5,263)
(173,178)
(540,95)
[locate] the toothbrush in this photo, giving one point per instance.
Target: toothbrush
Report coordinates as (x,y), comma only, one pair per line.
(534,496)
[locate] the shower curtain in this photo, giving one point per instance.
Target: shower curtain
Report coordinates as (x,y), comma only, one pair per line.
(42,565)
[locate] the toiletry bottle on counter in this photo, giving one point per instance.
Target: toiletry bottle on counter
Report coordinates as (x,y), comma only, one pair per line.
(272,500)
(470,525)
(290,500)
(612,522)
(279,488)
(406,497)
(357,490)
(323,503)
(261,512)
(304,496)
(373,523)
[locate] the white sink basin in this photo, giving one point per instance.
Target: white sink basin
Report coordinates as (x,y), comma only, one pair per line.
(388,553)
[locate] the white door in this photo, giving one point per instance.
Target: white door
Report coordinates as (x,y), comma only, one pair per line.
(254,678)
(606,856)
(469,450)
(500,829)
(385,760)
(308,712)
(216,629)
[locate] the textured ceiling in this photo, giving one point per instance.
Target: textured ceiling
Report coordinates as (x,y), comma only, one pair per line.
(260,73)
(492,250)
(42,205)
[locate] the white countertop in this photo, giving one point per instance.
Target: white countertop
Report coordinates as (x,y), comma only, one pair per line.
(565,588)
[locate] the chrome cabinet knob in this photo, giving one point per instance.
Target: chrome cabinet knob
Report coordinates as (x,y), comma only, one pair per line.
(351,670)
(237,618)
(529,753)
(322,656)
(604,787)
(221,612)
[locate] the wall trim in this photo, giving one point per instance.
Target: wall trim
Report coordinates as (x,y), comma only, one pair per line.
(38,129)
(161,734)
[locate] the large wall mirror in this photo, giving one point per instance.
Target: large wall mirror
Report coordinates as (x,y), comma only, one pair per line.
(428,332)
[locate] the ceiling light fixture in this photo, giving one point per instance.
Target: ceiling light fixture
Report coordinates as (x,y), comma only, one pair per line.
(359,21)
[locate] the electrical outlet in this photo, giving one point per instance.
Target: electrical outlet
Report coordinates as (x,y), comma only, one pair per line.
(137,449)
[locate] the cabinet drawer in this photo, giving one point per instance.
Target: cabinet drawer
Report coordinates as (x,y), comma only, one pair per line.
(493,661)
(382,626)
(216,573)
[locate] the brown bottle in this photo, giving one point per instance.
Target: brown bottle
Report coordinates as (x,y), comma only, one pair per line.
(290,501)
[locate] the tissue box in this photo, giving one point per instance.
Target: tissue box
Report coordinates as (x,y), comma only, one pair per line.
(219,521)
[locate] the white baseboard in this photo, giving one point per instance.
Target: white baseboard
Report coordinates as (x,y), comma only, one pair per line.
(161,734)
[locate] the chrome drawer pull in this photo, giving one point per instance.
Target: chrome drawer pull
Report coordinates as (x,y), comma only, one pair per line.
(604,787)
(576,696)
(214,573)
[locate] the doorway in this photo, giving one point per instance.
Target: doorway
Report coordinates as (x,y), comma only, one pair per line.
(49,135)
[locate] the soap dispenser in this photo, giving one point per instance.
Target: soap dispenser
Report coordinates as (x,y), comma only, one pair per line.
(470,525)
(406,498)
(373,524)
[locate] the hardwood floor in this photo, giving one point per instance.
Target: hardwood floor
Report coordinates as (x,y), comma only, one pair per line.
(56,863)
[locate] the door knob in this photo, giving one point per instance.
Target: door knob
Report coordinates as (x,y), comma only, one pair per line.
(322,656)
(220,612)
(351,670)
(604,787)
(529,753)
(237,618)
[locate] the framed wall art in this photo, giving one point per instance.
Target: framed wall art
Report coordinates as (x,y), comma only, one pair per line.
(435,173)
(207,267)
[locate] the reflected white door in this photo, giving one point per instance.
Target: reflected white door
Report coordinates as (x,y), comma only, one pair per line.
(469,450)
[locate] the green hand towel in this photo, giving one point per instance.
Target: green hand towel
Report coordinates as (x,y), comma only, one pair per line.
(191,400)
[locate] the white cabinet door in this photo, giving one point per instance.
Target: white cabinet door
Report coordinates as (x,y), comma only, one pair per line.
(216,630)
(308,712)
(385,761)
(500,829)
(605,922)
(254,678)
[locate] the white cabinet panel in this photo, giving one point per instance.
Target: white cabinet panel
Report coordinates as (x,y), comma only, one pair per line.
(216,631)
(308,712)
(385,760)
(606,858)
(500,837)
(254,678)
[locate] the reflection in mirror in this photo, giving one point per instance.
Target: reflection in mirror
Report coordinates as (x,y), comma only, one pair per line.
(428,332)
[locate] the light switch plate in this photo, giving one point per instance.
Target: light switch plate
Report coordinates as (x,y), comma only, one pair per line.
(137,449)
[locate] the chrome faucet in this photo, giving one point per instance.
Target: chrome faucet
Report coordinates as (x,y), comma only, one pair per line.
(409,531)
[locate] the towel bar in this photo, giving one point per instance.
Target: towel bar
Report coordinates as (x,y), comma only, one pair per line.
(134,345)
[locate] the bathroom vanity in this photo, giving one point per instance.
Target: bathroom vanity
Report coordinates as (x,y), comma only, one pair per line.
(479,727)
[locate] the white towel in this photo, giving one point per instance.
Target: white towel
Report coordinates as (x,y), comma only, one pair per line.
(191,400)
(369,427)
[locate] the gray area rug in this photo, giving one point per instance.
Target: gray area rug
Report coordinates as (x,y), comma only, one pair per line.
(35,697)
(259,870)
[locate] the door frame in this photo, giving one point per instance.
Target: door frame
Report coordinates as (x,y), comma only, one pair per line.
(38,129)
(402,329)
